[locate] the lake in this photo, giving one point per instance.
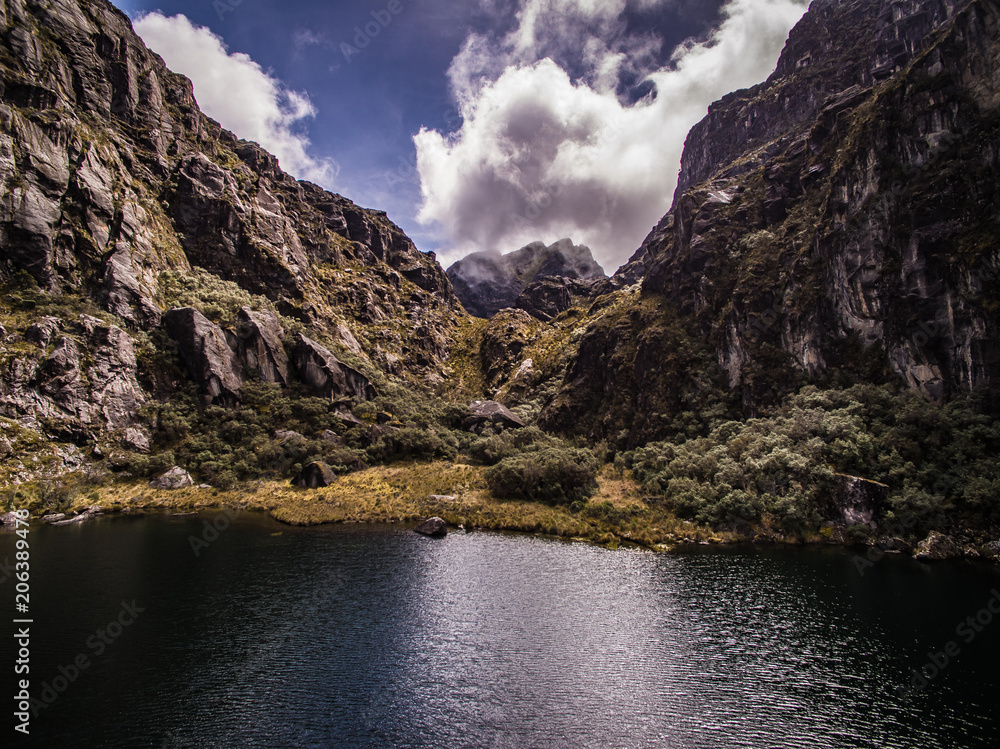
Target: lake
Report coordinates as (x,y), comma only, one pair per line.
(263,635)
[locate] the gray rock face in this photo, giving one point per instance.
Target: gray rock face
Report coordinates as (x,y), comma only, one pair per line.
(175,478)
(205,352)
(111,175)
(887,223)
(432,527)
(315,475)
(81,379)
(819,228)
(325,375)
(936,547)
(547,297)
(260,346)
(835,46)
(487,282)
(483,413)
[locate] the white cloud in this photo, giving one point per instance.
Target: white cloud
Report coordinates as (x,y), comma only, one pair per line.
(236,91)
(540,155)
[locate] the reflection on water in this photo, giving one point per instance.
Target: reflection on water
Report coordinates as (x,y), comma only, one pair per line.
(378,637)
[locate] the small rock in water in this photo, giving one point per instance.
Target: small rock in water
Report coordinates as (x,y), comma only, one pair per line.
(433,527)
(91,512)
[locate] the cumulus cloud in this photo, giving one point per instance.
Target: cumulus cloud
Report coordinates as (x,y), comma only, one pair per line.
(551,145)
(236,91)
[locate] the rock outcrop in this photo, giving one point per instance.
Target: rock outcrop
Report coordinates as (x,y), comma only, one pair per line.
(857,501)
(936,547)
(74,378)
(549,296)
(175,478)
(260,346)
(491,413)
(325,375)
(487,282)
(205,351)
(504,340)
(315,475)
(89,514)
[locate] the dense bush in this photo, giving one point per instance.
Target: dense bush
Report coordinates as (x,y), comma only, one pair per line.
(226,445)
(414,443)
(940,462)
(552,474)
(493,448)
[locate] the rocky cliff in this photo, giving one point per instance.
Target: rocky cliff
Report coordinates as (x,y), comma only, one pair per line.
(487,282)
(144,247)
(838,223)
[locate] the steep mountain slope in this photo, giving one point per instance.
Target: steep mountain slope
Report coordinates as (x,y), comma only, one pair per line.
(120,199)
(838,223)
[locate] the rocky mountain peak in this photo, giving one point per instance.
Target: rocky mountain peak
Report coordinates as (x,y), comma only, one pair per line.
(488,281)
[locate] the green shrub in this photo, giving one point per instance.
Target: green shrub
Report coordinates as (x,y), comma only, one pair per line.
(940,462)
(552,474)
(490,449)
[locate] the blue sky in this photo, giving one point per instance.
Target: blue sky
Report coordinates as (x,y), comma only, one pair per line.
(477,124)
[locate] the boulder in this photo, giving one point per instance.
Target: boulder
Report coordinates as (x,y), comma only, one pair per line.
(206,354)
(175,478)
(135,439)
(259,345)
(483,413)
(433,527)
(288,435)
(937,546)
(315,475)
(43,332)
(325,375)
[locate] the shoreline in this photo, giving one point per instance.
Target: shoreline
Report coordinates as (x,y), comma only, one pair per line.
(616,515)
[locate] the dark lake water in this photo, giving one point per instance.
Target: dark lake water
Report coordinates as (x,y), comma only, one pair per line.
(376,637)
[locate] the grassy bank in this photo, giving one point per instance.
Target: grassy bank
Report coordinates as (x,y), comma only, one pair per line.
(407,493)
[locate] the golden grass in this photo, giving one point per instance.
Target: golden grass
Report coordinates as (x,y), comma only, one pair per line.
(405,493)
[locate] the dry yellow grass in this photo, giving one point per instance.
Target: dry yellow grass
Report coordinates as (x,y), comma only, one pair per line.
(410,492)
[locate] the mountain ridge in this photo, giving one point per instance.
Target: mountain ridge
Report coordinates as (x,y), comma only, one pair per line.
(843,246)
(488,281)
